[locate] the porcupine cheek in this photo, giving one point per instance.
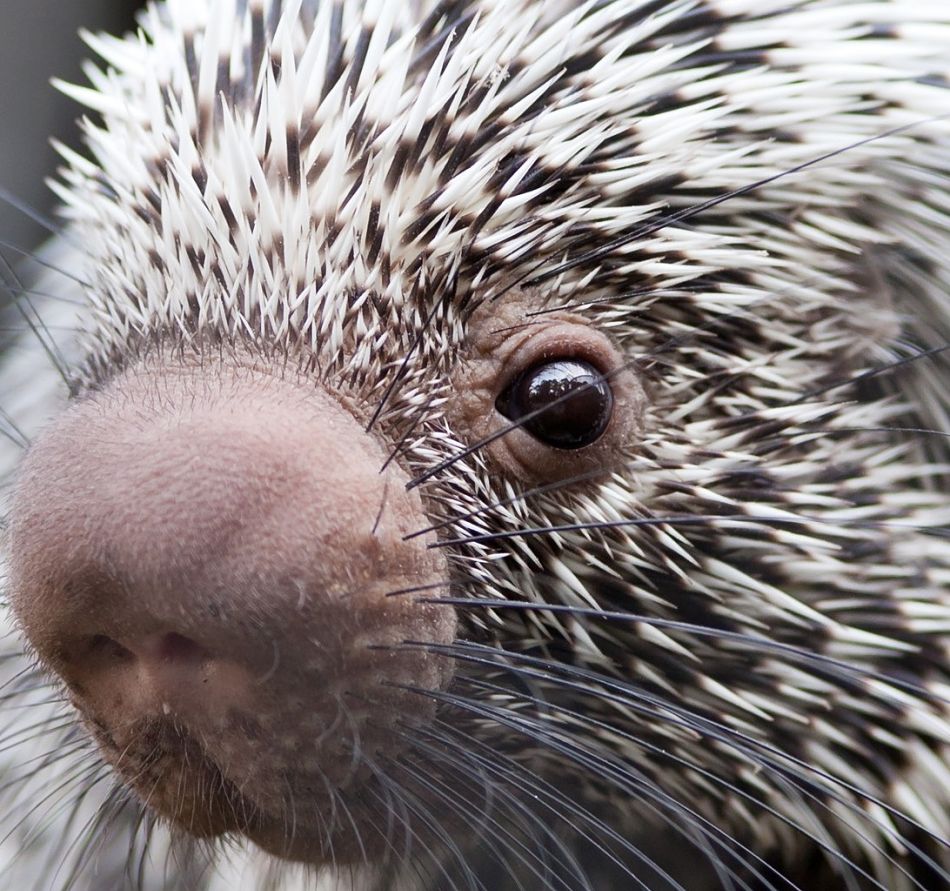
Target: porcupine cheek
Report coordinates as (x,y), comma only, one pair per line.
(206,557)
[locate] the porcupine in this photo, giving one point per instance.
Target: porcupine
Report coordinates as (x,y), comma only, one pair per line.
(505,446)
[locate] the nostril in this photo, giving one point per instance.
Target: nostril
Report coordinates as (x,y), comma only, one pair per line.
(104,649)
(181,650)
(170,648)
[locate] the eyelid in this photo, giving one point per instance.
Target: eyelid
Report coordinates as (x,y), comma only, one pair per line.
(560,340)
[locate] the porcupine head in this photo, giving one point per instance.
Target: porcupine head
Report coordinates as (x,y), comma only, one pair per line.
(485,435)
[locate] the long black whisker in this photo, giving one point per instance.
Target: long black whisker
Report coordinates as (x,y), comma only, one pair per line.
(411,803)
(629,696)
(640,361)
(683,520)
(632,782)
(11,430)
(46,264)
(404,365)
(18,293)
(541,792)
(24,207)
(687,213)
(500,835)
(723,735)
(36,325)
(546,489)
(755,643)
(870,373)
(505,429)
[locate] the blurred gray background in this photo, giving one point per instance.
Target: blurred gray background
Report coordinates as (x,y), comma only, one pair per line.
(39,40)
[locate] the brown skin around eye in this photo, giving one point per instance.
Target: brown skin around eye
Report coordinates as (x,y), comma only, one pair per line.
(507,349)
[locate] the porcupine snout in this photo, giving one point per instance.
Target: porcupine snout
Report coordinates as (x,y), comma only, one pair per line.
(204,555)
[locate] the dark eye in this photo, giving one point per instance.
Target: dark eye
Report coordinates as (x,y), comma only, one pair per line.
(567,402)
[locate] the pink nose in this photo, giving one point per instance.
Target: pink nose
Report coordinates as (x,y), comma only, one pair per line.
(213,549)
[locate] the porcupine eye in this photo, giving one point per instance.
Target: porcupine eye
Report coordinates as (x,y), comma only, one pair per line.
(565,403)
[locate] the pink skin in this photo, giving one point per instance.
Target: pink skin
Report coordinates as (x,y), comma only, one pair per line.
(203,554)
